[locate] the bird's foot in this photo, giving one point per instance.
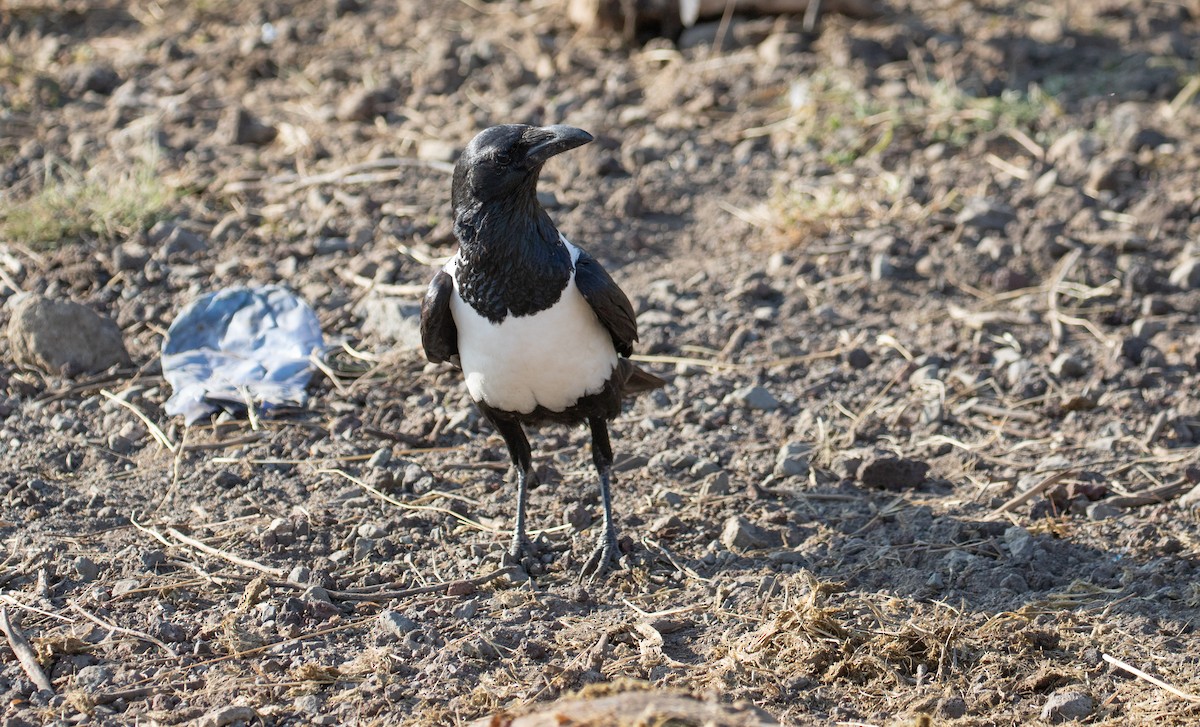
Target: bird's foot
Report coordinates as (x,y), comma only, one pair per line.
(604,557)
(520,553)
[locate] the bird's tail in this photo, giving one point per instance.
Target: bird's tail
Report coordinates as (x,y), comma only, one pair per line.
(636,381)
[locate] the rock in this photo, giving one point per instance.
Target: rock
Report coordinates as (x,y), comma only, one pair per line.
(152,559)
(1133,348)
(1147,328)
(1021,543)
(740,534)
(858,359)
(85,568)
(94,677)
(360,105)
(130,256)
(1186,274)
(173,240)
(1067,705)
(715,485)
(307,704)
(393,320)
(577,516)
(1068,366)
(239,126)
(380,458)
(792,460)
(666,526)
(64,337)
(985,214)
(96,77)
(1102,511)
(882,267)
(755,397)
(123,586)
(892,473)
(396,624)
(952,707)
(436,150)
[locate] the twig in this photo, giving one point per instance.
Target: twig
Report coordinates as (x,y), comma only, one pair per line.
(405,505)
(203,547)
(406,290)
(1156,427)
(1006,413)
(1056,321)
(26,657)
(1031,492)
(418,590)
(155,431)
(1153,680)
(121,630)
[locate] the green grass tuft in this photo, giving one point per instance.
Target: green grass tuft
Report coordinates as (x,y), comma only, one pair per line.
(97,204)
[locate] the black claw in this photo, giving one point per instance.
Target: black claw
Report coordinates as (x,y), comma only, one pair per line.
(604,557)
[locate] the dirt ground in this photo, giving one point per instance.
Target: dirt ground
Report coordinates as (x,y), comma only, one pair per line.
(924,287)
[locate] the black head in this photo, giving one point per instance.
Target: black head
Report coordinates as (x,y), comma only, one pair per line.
(503,162)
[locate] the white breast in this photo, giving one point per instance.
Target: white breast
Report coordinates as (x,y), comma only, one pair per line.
(550,359)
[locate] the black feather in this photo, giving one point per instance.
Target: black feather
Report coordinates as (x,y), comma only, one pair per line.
(439,335)
(609,302)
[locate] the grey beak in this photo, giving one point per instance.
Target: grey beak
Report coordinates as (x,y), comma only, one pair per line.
(548,141)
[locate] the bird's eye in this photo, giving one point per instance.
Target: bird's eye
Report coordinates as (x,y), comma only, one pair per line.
(502,159)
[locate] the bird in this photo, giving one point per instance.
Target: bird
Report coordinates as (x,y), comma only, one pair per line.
(541,332)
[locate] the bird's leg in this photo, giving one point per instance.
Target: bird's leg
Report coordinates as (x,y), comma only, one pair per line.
(605,553)
(522,458)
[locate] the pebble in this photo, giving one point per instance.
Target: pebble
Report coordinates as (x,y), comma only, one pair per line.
(1186,274)
(792,460)
(755,397)
(359,105)
(715,485)
(316,594)
(1147,327)
(392,320)
(985,214)
(86,568)
(704,467)
(307,704)
(740,534)
(1133,347)
(1067,706)
(120,444)
(1102,511)
(123,586)
(152,559)
(882,267)
(96,77)
(94,676)
(666,526)
(130,256)
(396,624)
(1068,366)
(1021,543)
(239,126)
(172,240)
(371,530)
(577,516)
(892,473)
(858,359)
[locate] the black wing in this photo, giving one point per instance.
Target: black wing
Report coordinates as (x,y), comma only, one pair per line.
(609,302)
(439,335)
